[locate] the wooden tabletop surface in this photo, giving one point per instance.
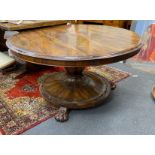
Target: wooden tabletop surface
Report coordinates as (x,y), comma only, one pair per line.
(76,43)
(28,24)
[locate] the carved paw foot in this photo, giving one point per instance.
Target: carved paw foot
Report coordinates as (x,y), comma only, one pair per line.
(113,85)
(62,115)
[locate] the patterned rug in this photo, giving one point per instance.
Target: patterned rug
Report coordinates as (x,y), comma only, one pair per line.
(21,105)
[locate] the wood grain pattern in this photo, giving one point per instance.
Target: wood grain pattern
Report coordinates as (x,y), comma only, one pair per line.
(75,45)
(75,91)
(31,24)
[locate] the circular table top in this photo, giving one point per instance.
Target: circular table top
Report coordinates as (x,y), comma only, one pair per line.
(75,45)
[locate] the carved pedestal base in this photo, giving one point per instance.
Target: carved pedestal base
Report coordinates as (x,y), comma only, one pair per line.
(75,89)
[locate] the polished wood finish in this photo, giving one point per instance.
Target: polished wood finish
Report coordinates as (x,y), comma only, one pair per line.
(29,24)
(75,47)
(26,24)
(75,90)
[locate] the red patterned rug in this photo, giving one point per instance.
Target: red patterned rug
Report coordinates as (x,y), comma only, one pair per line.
(21,105)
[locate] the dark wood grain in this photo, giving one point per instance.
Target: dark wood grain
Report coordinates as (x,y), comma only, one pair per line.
(75,45)
(26,24)
(74,89)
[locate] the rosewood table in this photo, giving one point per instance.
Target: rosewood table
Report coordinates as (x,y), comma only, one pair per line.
(75,47)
